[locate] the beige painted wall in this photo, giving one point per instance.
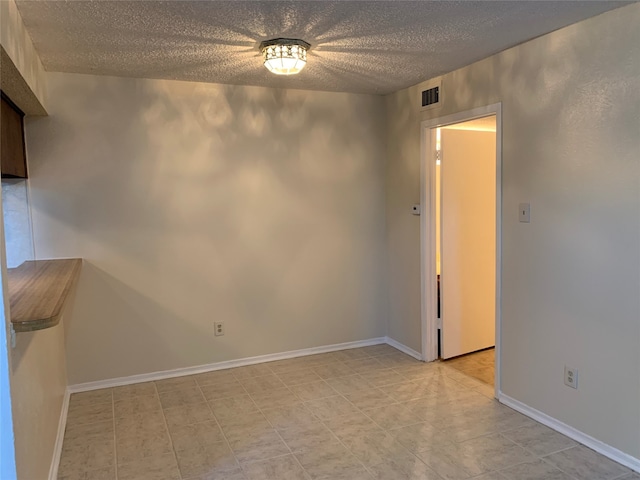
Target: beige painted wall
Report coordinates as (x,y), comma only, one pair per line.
(193,203)
(467,283)
(38,384)
(571,117)
(37,364)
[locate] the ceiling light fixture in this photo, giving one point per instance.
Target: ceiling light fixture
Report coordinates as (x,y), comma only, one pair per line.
(284,56)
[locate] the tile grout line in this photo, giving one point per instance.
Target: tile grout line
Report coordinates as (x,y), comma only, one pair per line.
(304,470)
(501,432)
(457,378)
(115,438)
(558,468)
(303,404)
(333,433)
(282,440)
(166,425)
(388,432)
(336,437)
(224,435)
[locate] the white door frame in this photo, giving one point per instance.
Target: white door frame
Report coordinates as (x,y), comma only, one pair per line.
(429,315)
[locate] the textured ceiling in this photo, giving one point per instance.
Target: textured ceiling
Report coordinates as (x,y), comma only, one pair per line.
(357,46)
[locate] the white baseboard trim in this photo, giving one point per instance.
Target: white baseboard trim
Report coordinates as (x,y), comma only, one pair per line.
(587,440)
(403,348)
(241,362)
(57,449)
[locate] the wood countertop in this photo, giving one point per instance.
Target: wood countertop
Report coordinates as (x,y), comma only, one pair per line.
(38,290)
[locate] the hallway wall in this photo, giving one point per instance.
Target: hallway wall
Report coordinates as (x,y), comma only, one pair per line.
(570,280)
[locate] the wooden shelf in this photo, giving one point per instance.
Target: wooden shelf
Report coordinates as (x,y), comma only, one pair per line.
(38,290)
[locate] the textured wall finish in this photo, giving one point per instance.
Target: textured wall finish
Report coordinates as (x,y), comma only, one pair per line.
(194,203)
(571,117)
(363,47)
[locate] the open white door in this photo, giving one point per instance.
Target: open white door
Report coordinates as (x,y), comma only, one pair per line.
(468,240)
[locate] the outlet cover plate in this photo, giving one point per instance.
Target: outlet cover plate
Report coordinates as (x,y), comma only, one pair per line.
(218,329)
(571,377)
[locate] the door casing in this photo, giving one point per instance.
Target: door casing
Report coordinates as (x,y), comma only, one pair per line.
(428,279)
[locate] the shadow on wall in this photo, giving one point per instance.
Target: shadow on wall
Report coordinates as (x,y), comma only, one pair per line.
(183,156)
(142,320)
(574,129)
(260,207)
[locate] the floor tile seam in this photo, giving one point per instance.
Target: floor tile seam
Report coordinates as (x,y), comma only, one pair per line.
(535,456)
(77,423)
(183,404)
(267,391)
(622,477)
(89,404)
(463,468)
(225,435)
(545,459)
(129,397)
(532,452)
(122,400)
(253,462)
(166,426)
(501,470)
(469,439)
(299,367)
(72,424)
(224,396)
(226,441)
(367,469)
(115,437)
(284,442)
(303,383)
(389,431)
(557,467)
(286,445)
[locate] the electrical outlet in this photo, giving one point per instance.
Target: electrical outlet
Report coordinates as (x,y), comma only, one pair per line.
(218,328)
(571,377)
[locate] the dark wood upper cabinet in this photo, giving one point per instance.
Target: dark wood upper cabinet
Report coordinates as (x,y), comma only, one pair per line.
(13,159)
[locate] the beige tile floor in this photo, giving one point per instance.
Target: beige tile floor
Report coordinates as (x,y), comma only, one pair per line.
(479,365)
(366,413)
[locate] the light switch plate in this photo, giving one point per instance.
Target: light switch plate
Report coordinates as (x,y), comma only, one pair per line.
(524,212)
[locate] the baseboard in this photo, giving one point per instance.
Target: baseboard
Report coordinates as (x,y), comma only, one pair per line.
(57,449)
(403,348)
(180,372)
(587,440)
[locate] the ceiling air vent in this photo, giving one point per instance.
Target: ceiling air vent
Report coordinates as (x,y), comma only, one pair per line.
(431,96)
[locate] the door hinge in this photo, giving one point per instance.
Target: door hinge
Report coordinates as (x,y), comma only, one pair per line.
(439,322)
(12,335)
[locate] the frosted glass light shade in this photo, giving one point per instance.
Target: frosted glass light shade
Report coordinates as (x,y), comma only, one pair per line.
(284,56)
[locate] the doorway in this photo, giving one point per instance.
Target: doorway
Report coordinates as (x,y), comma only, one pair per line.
(460,232)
